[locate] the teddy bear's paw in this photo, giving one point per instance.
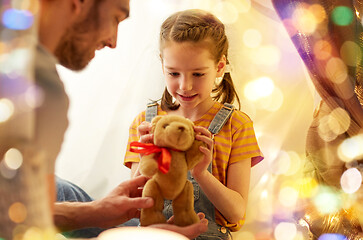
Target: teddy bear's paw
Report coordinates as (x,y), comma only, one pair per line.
(152,218)
(186,218)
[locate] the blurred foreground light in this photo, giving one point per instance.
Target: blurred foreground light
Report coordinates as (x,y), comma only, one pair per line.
(339,121)
(327,201)
(252,38)
(304,20)
(336,70)
(351,148)
(308,187)
(322,50)
(259,88)
(13,158)
(351,180)
(332,236)
(281,164)
(140,233)
(342,15)
(285,231)
(318,11)
(268,55)
(288,196)
(350,53)
(17,212)
(226,11)
(6,109)
(17,19)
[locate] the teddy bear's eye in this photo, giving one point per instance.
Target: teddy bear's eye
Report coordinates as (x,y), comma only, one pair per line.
(165,125)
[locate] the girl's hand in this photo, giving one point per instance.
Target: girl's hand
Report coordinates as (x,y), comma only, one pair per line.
(205,136)
(143,130)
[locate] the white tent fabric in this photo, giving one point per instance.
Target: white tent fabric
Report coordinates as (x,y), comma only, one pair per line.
(118,83)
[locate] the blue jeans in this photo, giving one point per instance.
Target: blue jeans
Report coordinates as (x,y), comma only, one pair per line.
(69,192)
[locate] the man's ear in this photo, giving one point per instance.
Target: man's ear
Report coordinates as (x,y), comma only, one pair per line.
(221,65)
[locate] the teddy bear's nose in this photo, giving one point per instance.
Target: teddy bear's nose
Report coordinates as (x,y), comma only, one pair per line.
(181,129)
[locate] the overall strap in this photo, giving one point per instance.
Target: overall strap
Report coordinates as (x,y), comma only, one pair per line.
(221,118)
(151,111)
(215,126)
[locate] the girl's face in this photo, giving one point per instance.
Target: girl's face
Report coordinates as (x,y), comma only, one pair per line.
(190,72)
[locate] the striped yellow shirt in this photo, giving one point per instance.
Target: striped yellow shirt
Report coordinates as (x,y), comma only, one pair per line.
(236,141)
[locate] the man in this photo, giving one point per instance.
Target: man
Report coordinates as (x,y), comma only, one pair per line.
(72,30)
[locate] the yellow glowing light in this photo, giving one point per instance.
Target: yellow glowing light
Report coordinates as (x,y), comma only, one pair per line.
(252,38)
(324,129)
(322,50)
(140,233)
(13,158)
(264,194)
(30,5)
(288,196)
(339,121)
(327,201)
(245,235)
(351,53)
(17,212)
(351,180)
(295,163)
(226,12)
(34,233)
(285,231)
(308,187)
(272,102)
(304,20)
(264,179)
(267,55)
(351,148)
(282,163)
(259,88)
(318,11)
(336,70)
(242,6)
(6,109)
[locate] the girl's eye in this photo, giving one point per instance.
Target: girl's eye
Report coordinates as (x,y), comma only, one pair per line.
(198,74)
(174,74)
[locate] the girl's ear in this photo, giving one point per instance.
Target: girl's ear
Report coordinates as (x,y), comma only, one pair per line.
(221,66)
(77,6)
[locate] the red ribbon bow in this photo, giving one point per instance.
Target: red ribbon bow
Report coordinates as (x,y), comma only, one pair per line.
(164,158)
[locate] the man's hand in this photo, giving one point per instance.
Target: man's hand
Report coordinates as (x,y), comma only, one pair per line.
(123,203)
(191,231)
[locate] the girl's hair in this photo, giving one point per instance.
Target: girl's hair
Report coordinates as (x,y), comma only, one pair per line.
(197,26)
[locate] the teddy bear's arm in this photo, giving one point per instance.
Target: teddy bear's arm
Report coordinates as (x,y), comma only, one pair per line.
(148,165)
(193,154)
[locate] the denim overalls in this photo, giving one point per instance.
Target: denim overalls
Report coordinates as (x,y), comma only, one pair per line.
(201,202)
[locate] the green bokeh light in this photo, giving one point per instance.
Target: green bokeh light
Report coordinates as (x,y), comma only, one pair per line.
(342,16)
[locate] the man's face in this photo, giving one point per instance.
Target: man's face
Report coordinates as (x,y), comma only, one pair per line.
(95,28)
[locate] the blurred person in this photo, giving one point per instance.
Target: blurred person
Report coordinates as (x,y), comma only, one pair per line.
(70,31)
(332,54)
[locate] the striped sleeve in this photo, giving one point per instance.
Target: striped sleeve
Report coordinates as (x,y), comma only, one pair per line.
(131,157)
(244,142)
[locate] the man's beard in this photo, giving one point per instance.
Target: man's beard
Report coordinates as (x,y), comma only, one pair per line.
(71,54)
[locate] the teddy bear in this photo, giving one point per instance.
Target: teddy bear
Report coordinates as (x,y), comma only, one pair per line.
(166,162)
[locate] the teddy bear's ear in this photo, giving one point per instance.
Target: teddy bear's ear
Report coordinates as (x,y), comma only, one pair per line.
(154,122)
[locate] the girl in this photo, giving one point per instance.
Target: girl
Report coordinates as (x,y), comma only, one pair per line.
(193,51)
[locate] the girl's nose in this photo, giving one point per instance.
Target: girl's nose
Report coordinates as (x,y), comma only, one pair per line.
(185,83)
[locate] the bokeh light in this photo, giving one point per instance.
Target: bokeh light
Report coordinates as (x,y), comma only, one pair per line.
(351,180)
(351,53)
(326,200)
(339,121)
(318,11)
(351,148)
(34,96)
(259,88)
(322,50)
(6,109)
(325,131)
(281,164)
(342,15)
(308,187)
(252,38)
(332,236)
(242,6)
(17,212)
(227,12)
(245,235)
(17,19)
(336,70)
(304,20)
(285,231)
(295,163)
(13,158)
(267,55)
(288,196)
(6,172)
